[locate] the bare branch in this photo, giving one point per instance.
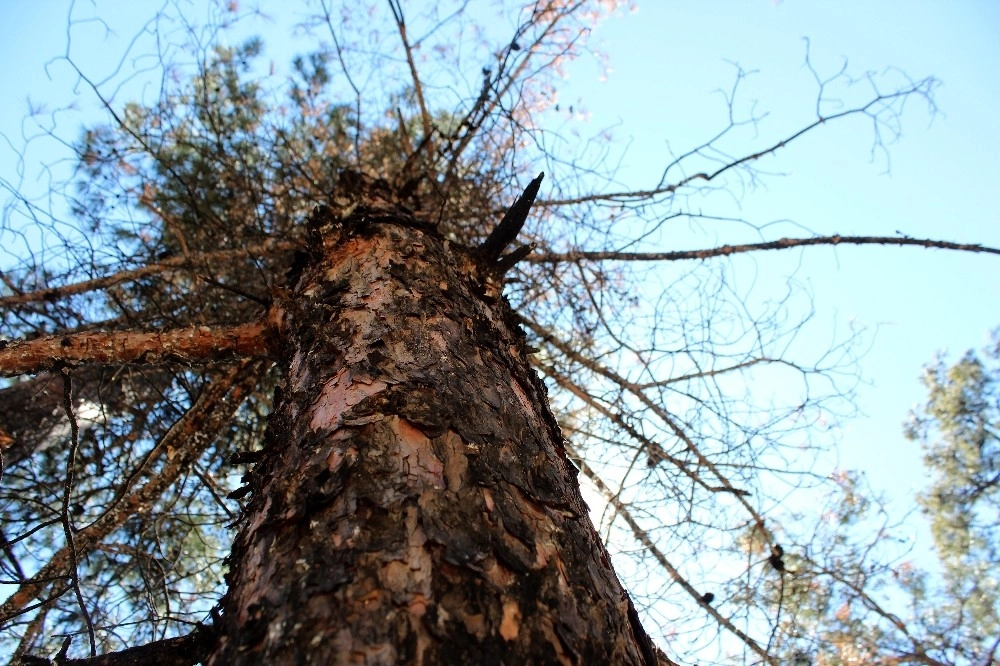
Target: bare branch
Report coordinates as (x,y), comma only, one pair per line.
(639,196)
(173,264)
(675,575)
(350,79)
(68,529)
(184,442)
(653,449)
(418,89)
(727,250)
(656,409)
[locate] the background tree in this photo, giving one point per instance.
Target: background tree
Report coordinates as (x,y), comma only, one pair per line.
(186,210)
(862,594)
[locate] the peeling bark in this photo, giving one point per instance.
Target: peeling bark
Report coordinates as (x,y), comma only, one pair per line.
(415,504)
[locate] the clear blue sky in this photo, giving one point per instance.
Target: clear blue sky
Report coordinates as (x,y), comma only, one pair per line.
(669,59)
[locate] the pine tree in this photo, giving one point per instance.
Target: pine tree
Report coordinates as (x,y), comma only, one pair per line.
(298,386)
(861,594)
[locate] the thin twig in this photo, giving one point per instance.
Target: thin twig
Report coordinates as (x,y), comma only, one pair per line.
(644,195)
(74,576)
(350,81)
(418,89)
(643,537)
(265,248)
(235,290)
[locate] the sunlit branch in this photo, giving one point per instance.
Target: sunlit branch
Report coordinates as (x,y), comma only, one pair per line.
(194,345)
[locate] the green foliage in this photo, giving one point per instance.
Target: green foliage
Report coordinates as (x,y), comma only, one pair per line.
(959,430)
(858,598)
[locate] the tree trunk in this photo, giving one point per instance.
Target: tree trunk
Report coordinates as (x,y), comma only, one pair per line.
(414,504)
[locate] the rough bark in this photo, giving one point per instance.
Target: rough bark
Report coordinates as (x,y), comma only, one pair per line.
(415,504)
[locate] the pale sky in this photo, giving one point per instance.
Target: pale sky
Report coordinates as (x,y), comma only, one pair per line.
(669,57)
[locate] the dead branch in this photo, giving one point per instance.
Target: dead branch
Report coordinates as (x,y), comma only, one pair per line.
(185,441)
(656,409)
(266,248)
(727,250)
(418,89)
(67,521)
(639,196)
(643,537)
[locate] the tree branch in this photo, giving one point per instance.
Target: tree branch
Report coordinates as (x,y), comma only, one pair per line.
(182,444)
(198,344)
(173,264)
(657,409)
(67,521)
(640,196)
(726,250)
(418,89)
(510,225)
(178,651)
(643,537)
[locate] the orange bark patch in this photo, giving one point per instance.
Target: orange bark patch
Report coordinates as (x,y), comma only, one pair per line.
(416,450)
(418,605)
(340,394)
(498,574)
(511,622)
(475,625)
